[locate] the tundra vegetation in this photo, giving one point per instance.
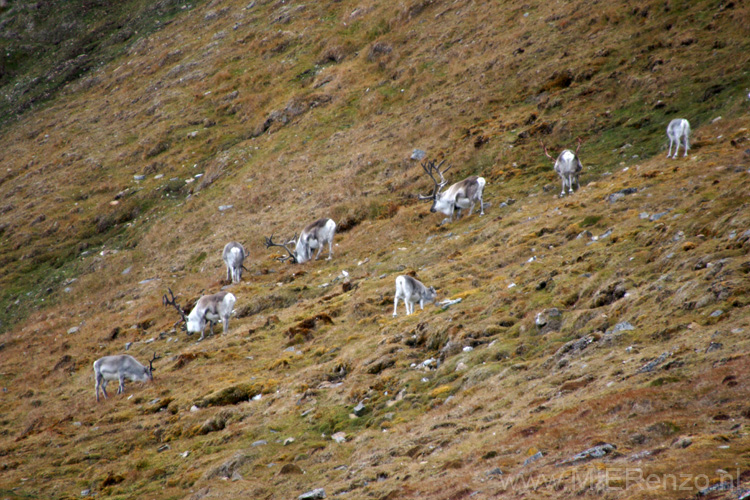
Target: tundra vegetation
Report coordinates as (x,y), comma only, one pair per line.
(615,318)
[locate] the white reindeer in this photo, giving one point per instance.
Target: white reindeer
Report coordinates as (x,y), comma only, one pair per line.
(119,368)
(210,309)
(456,198)
(678,129)
(233,255)
(314,236)
(411,291)
(568,167)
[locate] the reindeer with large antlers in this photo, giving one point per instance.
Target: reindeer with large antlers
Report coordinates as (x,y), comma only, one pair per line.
(567,166)
(207,311)
(315,235)
(459,196)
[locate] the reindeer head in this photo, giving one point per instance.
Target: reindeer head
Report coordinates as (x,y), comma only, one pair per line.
(150,369)
(429,167)
(292,255)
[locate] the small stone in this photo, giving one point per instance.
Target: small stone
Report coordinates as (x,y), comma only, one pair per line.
(643,215)
(224,208)
(236,476)
(313,494)
(127,345)
(360,409)
(418,155)
(261,442)
(714,346)
(714,314)
(194,409)
(468,348)
(185,454)
(655,217)
(495,472)
(163,447)
(288,441)
(461,366)
(73,329)
(139,177)
(682,442)
(85,493)
(339,437)
(533,458)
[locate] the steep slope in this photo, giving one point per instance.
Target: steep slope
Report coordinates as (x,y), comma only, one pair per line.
(615,316)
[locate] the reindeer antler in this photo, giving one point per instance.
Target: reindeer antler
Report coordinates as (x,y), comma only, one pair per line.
(579,145)
(270,243)
(545,150)
(173,302)
(430,167)
(150,363)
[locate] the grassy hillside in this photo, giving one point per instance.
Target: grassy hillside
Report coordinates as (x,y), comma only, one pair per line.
(616,316)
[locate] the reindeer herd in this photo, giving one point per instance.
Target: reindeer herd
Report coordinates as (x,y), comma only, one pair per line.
(210,309)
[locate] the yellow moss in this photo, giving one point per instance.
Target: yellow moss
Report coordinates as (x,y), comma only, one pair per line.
(465,294)
(440,391)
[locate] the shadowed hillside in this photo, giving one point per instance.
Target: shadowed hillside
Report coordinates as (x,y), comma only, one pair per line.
(613,320)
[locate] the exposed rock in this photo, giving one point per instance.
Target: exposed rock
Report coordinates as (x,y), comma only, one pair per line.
(624,326)
(418,155)
(450,349)
(574,347)
(228,468)
(533,458)
(495,472)
(619,195)
(651,366)
(360,409)
(655,217)
(339,437)
(595,452)
(213,424)
(609,294)
(313,494)
(548,320)
(714,346)
(682,442)
(261,442)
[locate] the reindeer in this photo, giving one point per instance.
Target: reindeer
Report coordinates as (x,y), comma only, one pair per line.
(567,166)
(120,367)
(411,291)
(678,129)
(457,197)
(209,309)
(315,235)
(234,254)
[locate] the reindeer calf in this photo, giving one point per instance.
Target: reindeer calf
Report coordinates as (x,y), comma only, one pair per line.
(411,291)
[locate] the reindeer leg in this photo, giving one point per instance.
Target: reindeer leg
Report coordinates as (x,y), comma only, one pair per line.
(330,249)
(320,247)
(228,274)
(687,145)
(226,324)
(395,306)
(121,389)
(669,153)
(202,333)
(421,304)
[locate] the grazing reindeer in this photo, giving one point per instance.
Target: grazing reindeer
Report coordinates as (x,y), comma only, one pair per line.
(411,291)
(210,309)
(567,166)
(315,235)
(233,255)
(676,130)
(457,197)
(119,368)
